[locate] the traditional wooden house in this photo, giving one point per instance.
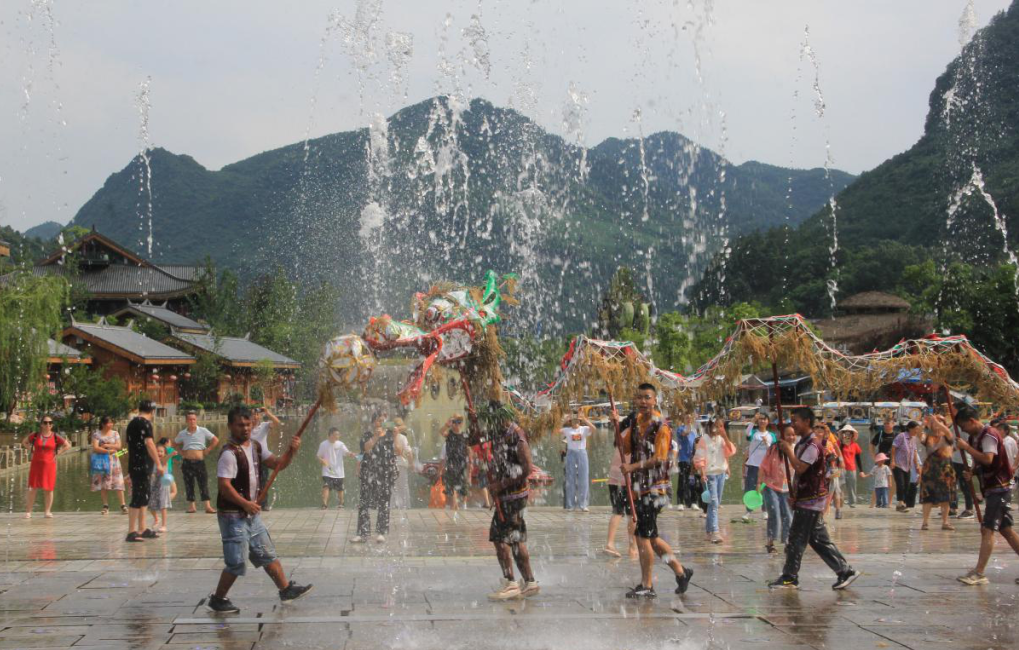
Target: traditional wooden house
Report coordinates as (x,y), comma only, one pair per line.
(113,275)
(161,314)
(146,366)
(243,362)
(5,249)
(871,320)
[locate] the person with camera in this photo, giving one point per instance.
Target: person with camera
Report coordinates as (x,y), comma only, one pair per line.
(453,461)
(377,472)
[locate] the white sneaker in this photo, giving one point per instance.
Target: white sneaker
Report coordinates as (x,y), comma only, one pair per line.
(746,518)
(585,510)
(681,507)
(510,590)
(530,588)
(380,538)
(357,539)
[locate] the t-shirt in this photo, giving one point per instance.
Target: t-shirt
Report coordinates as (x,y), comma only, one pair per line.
(759,442)
(615,469)
(576,438)
(456,451)
(380,463)
(332,453)
(850,453)
(713,453)
(883,441)
(227,466)
(138,460)
(198,440)
(260,433)
(881,474)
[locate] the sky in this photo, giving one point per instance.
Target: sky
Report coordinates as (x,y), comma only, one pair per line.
(86,85)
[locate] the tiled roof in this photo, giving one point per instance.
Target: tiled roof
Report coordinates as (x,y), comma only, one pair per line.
(236,350)
(130,341)
(122,279)
(162,314)
(58,349)
(186,272)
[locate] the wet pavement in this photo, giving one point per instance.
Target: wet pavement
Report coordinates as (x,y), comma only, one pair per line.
(72,582)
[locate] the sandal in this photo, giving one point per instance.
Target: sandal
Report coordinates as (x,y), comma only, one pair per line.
(611,551)
(148,533)
(947,527)
(123,509)
(105,510)
(924,527)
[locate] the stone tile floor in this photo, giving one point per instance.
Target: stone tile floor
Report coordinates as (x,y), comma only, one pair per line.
(71,582)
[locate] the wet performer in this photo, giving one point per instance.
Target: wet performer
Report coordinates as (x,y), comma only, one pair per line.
(511,469)
(647,440)
(240,525)
(809,499)
(995,471)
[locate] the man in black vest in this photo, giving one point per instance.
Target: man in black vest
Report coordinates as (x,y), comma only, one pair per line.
(993,467)
(239,522)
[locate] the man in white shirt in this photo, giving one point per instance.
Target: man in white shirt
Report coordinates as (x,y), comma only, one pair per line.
(260,433)
(575,432)
(331,453)
(240,525)
(195,443)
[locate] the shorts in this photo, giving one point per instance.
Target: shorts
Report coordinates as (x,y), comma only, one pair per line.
(245,536)
(512,529)
(648,507)
(997,512)
(455,481)
(334,484)
(139,489)
(618,499)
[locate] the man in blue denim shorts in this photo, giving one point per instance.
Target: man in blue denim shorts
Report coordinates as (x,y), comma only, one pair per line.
(239,522)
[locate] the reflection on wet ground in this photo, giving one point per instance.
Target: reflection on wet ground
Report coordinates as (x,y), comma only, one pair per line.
(72,582)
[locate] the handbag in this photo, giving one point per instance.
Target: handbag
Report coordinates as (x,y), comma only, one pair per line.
(100,464)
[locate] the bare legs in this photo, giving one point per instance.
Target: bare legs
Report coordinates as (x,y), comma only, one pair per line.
(987,545)
(136,519)
(610,545)
(507,554)
(927,507)
(47,502)
(648,548)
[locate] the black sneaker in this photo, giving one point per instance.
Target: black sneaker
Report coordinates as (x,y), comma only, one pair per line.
(133,537)
(966,514)
(221,605)
(150,534)
(683,581)
(846,578)
(784,582)
(294,591)
(640,591)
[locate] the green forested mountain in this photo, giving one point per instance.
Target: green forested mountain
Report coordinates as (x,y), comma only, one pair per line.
(920,204)
(44,231)
(460,189)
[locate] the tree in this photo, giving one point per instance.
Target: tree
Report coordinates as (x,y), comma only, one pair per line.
(202,378)
(30,314)
(96,395)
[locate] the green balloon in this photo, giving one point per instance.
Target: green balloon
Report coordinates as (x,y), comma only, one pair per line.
(753,499)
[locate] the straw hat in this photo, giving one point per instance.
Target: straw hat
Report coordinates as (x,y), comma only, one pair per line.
(848,427)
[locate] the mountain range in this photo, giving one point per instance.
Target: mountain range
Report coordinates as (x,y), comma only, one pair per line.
(932,201)
(442,190)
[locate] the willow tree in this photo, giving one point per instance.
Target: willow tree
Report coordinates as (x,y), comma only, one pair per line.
(31,310)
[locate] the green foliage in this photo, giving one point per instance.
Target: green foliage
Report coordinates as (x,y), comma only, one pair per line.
(30,314)
(684,342)
(95,395)
(202,378)
(24,249)
(624,312)
(531,362)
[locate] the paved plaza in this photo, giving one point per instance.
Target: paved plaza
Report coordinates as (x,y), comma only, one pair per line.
(72,582)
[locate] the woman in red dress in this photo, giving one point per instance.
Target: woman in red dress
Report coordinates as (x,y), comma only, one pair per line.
(42,475)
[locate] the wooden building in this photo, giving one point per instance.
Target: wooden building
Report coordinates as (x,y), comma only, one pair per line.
(163,315)
(871,320)
(241,361)
(113,275)
(146,366)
